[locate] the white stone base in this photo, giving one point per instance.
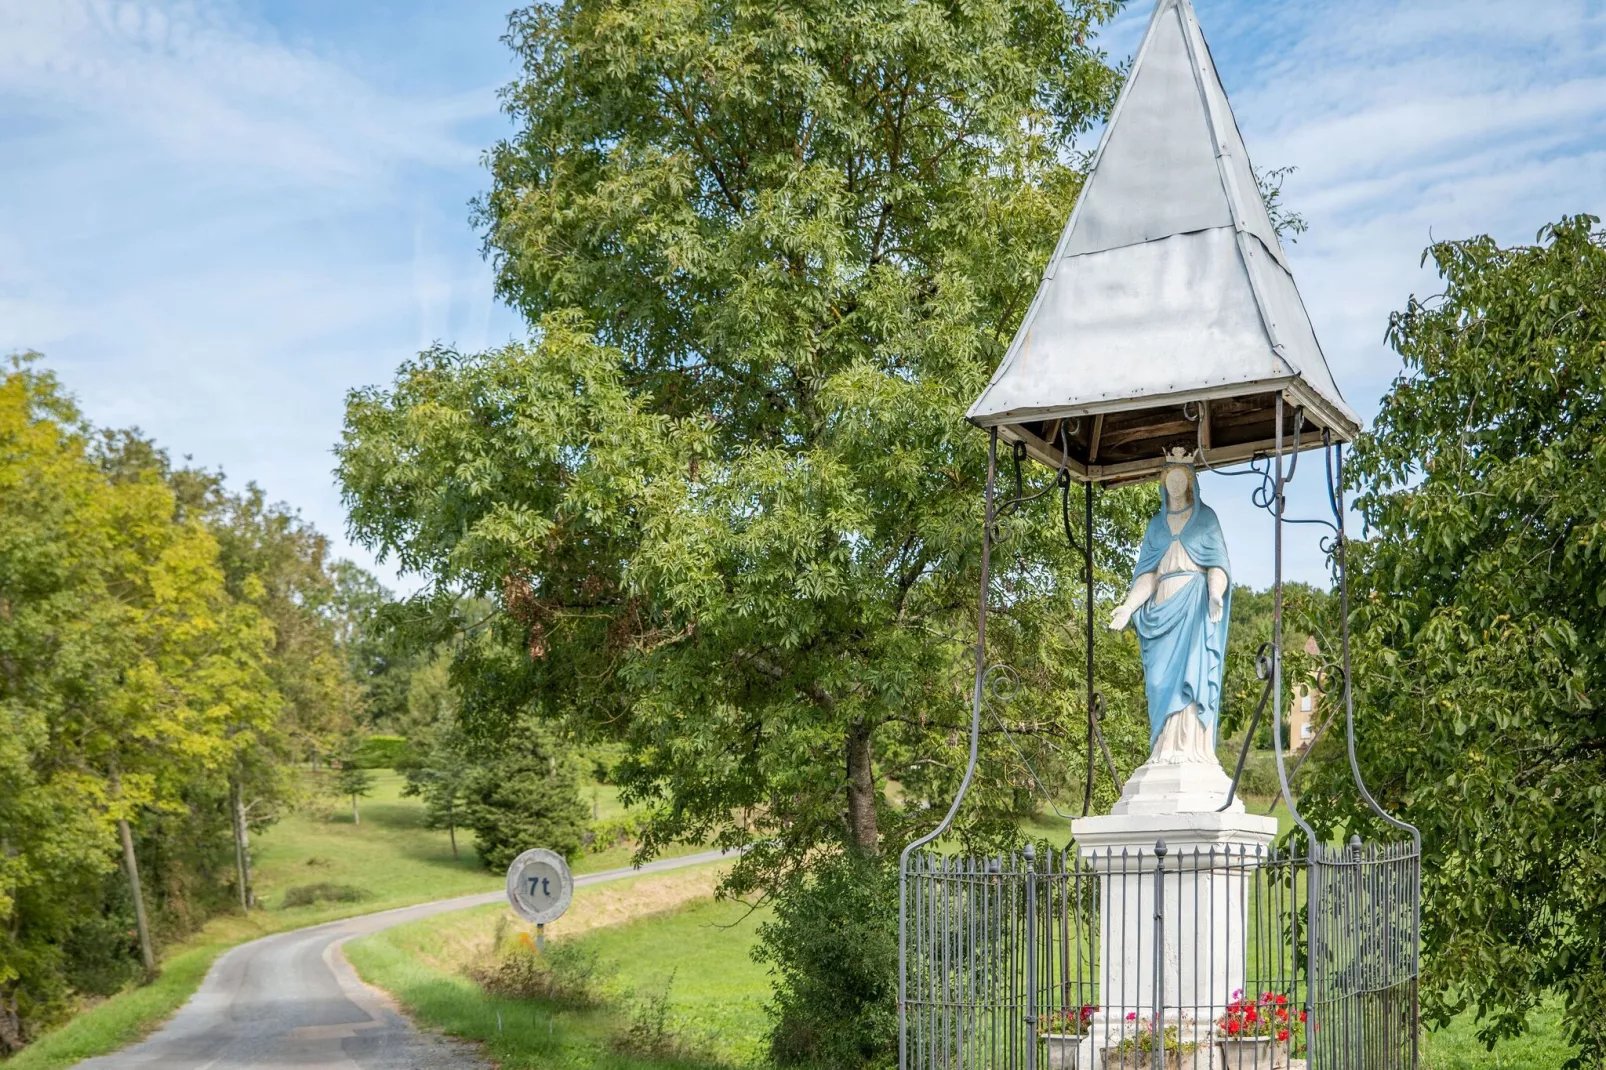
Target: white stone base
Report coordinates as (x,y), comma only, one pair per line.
(1210,858)
(1171,787)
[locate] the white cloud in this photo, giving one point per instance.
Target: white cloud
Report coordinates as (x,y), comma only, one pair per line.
(203,83)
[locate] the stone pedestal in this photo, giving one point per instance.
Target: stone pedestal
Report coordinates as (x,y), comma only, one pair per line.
(1202,913)
(1166,787)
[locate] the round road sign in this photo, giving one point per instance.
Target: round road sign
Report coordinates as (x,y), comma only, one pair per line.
(539,886)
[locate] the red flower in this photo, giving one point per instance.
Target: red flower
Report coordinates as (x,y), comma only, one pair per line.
(1282,1034)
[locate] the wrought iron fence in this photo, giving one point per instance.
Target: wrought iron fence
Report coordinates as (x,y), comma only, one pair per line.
(1231,957)
(1364,950)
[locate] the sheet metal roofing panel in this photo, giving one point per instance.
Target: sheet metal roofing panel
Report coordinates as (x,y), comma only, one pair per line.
(1156,173)
(1167,318)
(1168,283)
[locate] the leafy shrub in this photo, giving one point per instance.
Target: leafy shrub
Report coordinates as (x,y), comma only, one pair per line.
(381,752)
(305,895)
(650,1032)
(100,951)
(833,949)
(565,974)
(612,832)
(1260,775)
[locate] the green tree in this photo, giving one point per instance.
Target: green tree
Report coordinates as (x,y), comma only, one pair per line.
(524,795)
(57,836)
(276,564)
(353,780)
(130,681)
(725,501)
(439,768)
(280,563)
(1479,610)
(380,660)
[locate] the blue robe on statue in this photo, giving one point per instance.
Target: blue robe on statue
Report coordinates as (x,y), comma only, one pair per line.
(1184,654)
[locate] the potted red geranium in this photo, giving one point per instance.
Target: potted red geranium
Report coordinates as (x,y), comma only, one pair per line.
(1062,1033)
(1254,1034)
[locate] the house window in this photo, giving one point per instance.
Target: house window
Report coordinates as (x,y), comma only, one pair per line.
(1304,702)
(1306,731)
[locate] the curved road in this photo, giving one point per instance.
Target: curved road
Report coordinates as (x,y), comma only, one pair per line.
(290,1000)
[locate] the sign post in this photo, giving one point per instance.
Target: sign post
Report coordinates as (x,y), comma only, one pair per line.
(539,888)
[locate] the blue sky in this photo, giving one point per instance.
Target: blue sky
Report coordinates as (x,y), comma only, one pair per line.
(217,217)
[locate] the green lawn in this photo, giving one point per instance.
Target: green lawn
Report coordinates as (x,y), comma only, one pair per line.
(1458,1048)
(389,855)
(699,954)
(703,955)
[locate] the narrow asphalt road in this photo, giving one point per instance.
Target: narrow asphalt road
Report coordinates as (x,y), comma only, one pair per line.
(291,1001)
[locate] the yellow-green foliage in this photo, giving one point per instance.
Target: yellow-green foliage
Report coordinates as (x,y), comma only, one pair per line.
(136,682)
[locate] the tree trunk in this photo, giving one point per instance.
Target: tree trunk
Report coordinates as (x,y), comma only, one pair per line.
(242,844)
(451,834)
(356,818)
(861,791)
(147,956)
(11,1040)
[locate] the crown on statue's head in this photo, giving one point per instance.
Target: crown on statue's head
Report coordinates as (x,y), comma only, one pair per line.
(1178,455)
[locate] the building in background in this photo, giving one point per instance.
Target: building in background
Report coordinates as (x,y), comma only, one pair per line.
(1303,702)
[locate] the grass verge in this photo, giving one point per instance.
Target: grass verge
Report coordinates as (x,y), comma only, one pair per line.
(693,957)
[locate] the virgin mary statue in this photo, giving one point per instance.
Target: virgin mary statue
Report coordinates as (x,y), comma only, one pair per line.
(1180,602)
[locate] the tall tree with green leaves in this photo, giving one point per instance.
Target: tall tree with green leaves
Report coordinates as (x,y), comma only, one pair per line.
(379,657)
(278,565)
(725,500)
(1479,611)
(57,833)
(770,256)
(150,625)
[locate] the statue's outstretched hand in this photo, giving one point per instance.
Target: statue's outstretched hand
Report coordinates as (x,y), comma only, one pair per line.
(1120,618)
(1216,608)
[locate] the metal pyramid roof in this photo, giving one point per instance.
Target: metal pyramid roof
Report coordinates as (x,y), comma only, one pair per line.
(1167,314)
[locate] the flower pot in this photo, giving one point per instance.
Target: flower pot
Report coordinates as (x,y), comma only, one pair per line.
(1061,1050)
(1253,1053)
